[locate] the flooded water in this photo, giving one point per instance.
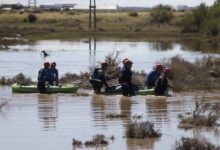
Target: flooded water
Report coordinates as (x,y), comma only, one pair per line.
(50,122)
(77,56)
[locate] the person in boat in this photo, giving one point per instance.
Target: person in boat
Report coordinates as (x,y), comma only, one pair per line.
(44,53)
(98,79)
(162,86)
(153,76)
(43,77)
(54,75)
(125,79)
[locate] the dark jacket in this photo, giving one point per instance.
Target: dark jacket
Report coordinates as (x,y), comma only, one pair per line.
(151,79)
(98,74)
(161,85)
(54,76)
(44,75)
(125,76)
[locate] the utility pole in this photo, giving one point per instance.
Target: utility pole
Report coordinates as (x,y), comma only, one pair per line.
(32,3)
(92,9)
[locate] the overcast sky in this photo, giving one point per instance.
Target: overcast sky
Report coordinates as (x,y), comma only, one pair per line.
(120,2)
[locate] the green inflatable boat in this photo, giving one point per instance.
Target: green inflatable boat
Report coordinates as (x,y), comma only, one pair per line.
(117,90)
(146,92)
(67,88)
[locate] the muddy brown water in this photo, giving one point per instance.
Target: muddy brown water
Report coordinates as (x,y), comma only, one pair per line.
(50,122)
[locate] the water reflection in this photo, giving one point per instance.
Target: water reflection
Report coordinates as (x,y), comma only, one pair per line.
(48,111)
(98,110)
(92,51)
(157,109)
(141,144)
(161,46)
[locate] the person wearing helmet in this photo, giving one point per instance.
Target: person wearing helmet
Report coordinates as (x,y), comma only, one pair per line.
(125,79)
(153,76)
(123,63)
(97,79)
(54,76)
(161,86)
(43,77)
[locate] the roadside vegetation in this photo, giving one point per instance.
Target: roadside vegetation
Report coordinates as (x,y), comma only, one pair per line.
(159,21)
(203,20)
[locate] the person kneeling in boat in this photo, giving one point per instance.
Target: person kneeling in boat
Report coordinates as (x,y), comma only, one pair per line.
(125,79)
(162,86)
(54,76)
(43,77)
(153,76)
(98,79)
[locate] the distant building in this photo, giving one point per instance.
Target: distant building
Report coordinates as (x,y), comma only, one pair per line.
(183,8)
(57,6)
(6,6)
(133,8)
(98,7)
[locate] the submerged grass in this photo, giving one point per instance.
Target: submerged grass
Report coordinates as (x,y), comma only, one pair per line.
(98,140)
(199,117)
(194,144)
(200,75)
(116,115)
(141,130)
(77,142)
(19,78)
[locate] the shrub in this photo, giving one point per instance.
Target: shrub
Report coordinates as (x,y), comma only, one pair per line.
(162,14)
(142,130)
(212,27)
(188,25)
(98,139)
(194,144)
(198,117)
(133,14)
(200,14)
(203,19)
(32,18)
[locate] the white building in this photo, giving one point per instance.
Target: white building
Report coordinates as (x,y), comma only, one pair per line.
(98,7)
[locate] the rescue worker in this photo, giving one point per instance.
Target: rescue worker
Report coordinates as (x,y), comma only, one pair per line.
(161,86)
(123,63)
(125,79)
(54,76)
(43,77)
(153,76)
(97,79)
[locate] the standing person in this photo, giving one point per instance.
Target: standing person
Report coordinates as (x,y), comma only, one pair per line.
(97,79)
(123,63)
(125,79)
(161,86)
(54,76)
(153,76)
(43,77)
